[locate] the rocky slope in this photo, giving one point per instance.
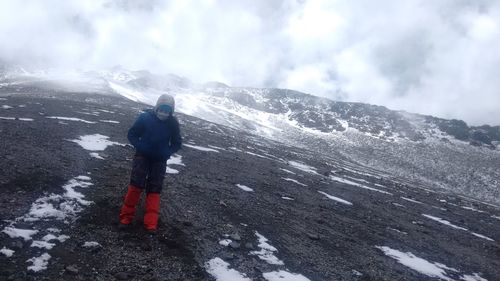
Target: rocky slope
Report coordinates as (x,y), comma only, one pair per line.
(236,205)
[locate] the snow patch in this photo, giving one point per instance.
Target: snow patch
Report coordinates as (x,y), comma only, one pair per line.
(60,207)
(216,147)
(83,178)
(174,160)
(303,167)
(342,180)
(70,119)
(91,244)
(398,231)
(430,269)
(472,209)
(335,198)
(17,232)
(201,148)
(50,237)
(109,121)
(284,276)
(42,244)
(225,242)
(7,252)
(96,155)
(96,142)
(294,181)
(473,277)
(288,171)
(220,270)
(266,252)
(6,106)
(411,200)
(244,187)
(39,263)
(287,198)
(258,155)
(482,236)
(445,222)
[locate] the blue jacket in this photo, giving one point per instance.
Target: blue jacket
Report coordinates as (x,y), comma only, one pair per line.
(155,139)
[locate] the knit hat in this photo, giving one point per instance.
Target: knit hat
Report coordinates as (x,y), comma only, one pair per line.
(165,100)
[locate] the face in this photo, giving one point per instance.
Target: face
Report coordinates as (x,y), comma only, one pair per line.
(162,115)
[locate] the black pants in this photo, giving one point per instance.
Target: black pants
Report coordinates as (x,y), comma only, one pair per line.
(147,173)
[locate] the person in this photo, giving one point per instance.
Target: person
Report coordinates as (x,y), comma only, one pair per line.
(155,136)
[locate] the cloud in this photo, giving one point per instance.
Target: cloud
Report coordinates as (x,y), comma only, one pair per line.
(436,58)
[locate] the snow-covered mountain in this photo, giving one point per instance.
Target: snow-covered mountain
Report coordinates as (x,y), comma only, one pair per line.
(428,150)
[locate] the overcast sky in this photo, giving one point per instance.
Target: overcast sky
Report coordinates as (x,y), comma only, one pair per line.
(432,57)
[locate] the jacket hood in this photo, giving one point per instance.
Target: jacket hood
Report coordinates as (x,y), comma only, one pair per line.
(165,100)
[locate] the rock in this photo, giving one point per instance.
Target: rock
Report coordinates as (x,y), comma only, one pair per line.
(356,273)
(235,237)
(249,246)
(72,269)
(17,245)
(6,272)
(227,256)
(234,245)
(222,203)
(187,223)
(122,276)
(147,245)
(151,277)
(313,236)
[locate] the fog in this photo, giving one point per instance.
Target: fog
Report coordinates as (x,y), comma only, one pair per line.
(431,57)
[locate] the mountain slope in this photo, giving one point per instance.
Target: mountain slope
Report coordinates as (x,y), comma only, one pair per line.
(428,151)
(295,212)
